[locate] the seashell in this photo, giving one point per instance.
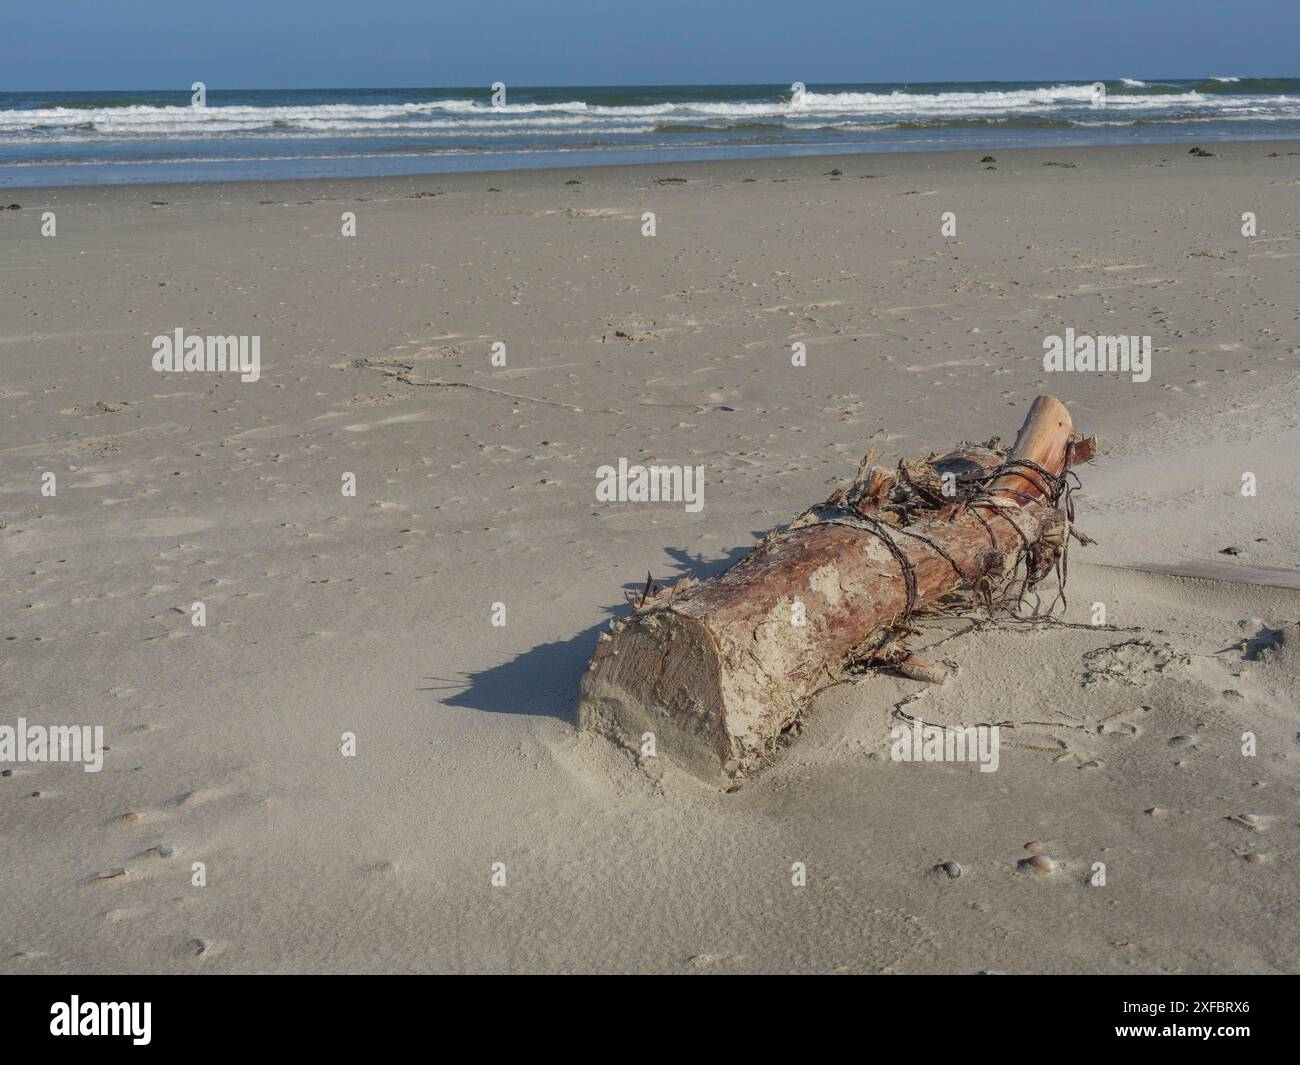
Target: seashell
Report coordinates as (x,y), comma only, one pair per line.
(1039,863)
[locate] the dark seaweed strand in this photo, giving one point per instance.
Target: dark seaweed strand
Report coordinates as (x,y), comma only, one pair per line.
(865,524)
(942,552)
(1057,490)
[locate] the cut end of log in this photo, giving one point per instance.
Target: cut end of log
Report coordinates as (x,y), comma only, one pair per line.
(650,678)
(712,674)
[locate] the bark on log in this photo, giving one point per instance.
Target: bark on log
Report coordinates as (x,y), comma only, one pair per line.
(718,670)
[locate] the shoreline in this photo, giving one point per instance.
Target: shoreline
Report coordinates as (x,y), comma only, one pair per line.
(230,134)
(1171,146)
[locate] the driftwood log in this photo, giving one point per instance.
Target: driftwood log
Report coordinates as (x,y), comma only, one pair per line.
(718,670)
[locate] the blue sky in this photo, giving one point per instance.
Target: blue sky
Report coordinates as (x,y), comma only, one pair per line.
(138,44)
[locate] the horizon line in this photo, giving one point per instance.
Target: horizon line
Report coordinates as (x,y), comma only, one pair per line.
(672,85)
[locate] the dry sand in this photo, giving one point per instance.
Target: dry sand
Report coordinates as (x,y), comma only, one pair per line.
(476,485)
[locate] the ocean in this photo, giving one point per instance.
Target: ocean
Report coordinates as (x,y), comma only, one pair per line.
(99,138)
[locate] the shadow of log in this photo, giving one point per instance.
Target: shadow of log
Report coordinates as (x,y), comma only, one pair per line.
(544,680)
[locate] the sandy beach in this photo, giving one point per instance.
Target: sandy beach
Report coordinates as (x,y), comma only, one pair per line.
(372,615)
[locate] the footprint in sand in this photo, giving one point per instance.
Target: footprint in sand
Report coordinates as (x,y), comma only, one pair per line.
(1118,724)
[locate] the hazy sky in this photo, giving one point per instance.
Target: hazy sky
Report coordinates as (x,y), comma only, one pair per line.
(133,44)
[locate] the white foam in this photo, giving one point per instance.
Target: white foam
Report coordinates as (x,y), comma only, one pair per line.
(476,117)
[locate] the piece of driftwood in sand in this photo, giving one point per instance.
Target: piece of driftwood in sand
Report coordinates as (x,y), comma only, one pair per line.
(718,670)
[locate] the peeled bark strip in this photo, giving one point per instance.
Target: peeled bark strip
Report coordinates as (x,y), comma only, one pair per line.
(718,670)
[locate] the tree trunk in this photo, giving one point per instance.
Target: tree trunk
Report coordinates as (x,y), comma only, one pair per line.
(717,671)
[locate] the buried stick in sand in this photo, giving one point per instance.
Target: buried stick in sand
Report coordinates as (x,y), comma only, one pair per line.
(718,670)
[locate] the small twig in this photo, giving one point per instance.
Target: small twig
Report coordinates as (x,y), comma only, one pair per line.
(648,592)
